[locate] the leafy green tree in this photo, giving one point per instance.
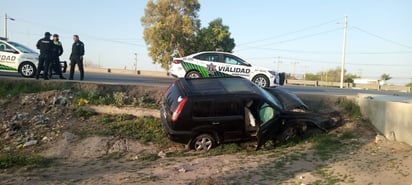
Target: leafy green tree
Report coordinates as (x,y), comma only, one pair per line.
(350,77)
(215,36)
(385,77)
(409,85)
(169,28)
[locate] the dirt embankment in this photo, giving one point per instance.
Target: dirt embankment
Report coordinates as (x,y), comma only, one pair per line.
(47,124)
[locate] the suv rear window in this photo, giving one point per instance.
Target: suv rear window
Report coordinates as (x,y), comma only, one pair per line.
(173,97)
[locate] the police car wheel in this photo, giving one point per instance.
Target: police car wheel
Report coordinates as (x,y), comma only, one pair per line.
(261,80)
(193,74)
(27,69)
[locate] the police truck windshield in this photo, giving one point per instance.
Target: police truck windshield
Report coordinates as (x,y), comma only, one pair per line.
(22,48)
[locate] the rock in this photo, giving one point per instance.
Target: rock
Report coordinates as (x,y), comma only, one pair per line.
(379,138)
(161,154)
(30,143)
(60,101)
(182,170)
(68,137)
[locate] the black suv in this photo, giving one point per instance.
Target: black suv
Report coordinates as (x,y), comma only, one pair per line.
(205,112)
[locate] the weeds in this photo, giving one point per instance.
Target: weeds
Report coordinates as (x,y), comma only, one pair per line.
(81,112)
(350,107)
(326,145)
(18,160)
(20,87)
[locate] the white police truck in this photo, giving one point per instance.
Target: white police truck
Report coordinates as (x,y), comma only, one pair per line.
(221,64)
(20,58)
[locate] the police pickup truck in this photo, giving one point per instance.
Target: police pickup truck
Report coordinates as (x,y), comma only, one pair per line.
(221,64)
(17,57)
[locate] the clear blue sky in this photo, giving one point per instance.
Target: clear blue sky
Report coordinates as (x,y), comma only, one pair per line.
(306,36)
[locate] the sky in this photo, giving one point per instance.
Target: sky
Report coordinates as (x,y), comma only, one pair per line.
(294,36)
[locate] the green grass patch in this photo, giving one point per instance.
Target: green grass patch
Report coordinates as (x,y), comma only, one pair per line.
(118,99)
(144,129)
(326,145)
(19,160)
(8,89)
(81,112)
(149,157)
(350,107)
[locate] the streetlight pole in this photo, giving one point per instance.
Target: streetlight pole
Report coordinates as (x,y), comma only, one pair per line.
(5,24)
(342,68)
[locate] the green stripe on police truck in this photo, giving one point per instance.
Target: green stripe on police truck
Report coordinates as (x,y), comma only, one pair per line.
(3,67)
(208,71)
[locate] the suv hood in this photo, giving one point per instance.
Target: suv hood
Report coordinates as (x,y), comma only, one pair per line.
(289,100)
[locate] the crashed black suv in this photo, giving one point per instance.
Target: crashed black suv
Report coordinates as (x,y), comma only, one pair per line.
(208,111)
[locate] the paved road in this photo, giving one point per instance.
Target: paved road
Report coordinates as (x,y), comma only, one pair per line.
(131,79)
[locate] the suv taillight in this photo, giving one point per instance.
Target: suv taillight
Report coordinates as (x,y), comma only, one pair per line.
(179,109)
(177,61)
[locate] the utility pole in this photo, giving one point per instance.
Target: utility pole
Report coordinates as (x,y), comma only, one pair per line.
(135,64)
(5,24)
(342,68)
(294,68)
(277,64)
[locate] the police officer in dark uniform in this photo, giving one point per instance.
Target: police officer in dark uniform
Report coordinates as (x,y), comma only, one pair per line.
(76,57)
(57,51)
(44,45)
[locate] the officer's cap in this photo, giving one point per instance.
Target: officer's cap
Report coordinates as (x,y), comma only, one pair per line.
(47,34)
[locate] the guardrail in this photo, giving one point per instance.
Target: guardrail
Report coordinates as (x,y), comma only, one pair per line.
(351,85)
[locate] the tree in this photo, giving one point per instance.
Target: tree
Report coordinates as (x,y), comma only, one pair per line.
(215,36)
(169,28)
(385,77)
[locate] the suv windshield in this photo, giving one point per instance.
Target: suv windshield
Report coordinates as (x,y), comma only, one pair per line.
(22,48)
(270,98)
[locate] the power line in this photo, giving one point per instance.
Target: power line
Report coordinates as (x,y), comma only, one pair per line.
(382,38)
(289,33)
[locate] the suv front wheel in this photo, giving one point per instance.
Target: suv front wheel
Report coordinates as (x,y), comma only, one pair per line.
(203,142)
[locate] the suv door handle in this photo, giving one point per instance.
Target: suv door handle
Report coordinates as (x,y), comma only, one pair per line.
(215,123)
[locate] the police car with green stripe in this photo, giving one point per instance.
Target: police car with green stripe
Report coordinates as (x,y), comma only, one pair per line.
(17,57)
(221,64)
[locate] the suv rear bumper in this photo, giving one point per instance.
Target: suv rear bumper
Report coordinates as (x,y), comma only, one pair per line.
(177,136)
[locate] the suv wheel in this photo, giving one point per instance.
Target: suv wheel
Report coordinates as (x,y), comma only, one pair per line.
(203,142)
(27,69)
(261,80)
(193,74)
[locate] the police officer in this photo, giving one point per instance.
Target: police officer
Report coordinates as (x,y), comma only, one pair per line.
(76,57)
(57,51)
(44,45)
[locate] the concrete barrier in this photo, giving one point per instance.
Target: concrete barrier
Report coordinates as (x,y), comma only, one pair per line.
(126,71)
(391,115)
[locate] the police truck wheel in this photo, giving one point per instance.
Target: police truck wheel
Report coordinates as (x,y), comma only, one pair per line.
(203,143)
(27,69)
(261,80)
(193,74)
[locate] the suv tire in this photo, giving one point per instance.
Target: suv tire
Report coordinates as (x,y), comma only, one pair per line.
(203,143)
(193,74)
(261,80)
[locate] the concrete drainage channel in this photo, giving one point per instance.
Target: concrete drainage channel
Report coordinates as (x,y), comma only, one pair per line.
(390,115)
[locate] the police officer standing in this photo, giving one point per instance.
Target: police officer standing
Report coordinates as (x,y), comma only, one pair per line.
(76,57)
(57,51)
(44,45)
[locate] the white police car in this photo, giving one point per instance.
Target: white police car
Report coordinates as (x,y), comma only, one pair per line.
(220,64)
(20,58)
(17,57)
